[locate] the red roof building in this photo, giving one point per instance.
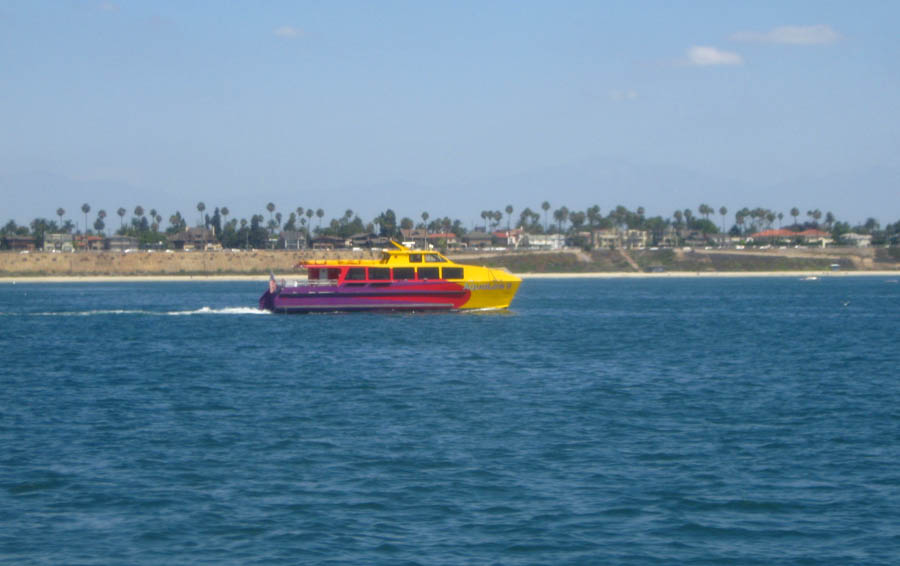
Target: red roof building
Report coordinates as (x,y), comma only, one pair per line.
(784,233)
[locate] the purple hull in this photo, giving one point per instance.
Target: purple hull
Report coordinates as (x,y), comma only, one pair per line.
(411,296)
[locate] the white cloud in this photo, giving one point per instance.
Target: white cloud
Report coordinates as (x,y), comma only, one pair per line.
(706,56)
(288,32)
(791,35)
(622,95)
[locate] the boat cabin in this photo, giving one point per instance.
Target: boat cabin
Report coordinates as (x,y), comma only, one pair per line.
(351,274)
(410,256)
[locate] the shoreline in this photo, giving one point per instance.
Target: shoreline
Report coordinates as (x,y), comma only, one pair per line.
(12,280)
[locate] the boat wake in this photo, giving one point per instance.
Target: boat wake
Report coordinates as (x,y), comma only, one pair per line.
(107,312)
(488,310)
(226,310)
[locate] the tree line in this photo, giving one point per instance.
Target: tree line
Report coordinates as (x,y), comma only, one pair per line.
(256,232)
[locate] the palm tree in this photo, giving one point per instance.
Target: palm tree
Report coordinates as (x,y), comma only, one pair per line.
(121,212)
(816,215)
(85,208)
(593,215)
(524,216)
(425,222)
(271,208)
(200,208)
(560,215)
(139,211)
(509,211)
(795,212)
(225,212)
(545,206)
(299,211)
(319,214)
(60,211)
(780,216)
(723,211)
(99,224)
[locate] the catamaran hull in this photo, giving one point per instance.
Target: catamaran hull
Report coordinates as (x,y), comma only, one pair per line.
(439,296)
(429,296)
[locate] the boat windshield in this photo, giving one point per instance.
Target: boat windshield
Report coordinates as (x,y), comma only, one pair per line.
(323,275)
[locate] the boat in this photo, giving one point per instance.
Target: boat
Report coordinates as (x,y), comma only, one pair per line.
(403,279)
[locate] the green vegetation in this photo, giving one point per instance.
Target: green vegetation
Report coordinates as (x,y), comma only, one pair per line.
(682,227)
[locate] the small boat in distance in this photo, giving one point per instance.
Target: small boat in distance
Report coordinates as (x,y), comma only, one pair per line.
(403,279)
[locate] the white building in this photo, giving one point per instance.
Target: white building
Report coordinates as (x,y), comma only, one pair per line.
(546,241)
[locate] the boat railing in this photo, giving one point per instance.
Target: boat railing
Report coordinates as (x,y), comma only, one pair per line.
(334,262)
(308,283)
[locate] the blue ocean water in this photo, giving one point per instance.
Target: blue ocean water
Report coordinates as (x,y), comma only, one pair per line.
(694,421)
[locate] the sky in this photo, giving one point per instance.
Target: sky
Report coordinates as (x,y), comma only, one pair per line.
(448,107)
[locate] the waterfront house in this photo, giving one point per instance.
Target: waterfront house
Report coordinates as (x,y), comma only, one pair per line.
(19,243)
(369,240)
(120,243)
(58,242)
(857,240)
(417,236)
(546,241)
(88,243)
(443,239)
(782,235)
(477,239)
(329,243)
(510,238)
(291,240)
(197,238)
(619,238)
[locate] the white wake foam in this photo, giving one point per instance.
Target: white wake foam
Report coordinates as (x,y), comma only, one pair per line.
(104,312)
(226,310)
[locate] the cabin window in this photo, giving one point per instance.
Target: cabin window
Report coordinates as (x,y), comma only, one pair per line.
(401,273)
(333,273)
(379,273)
(434,258)
(453,273)
(356,274)
(429,273)
(415,258)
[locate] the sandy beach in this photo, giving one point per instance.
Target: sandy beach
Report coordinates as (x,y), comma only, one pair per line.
(593,275)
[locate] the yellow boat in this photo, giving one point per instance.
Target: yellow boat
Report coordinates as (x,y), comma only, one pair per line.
(403,279)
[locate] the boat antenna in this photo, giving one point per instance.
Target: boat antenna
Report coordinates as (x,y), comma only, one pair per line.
(399,246)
